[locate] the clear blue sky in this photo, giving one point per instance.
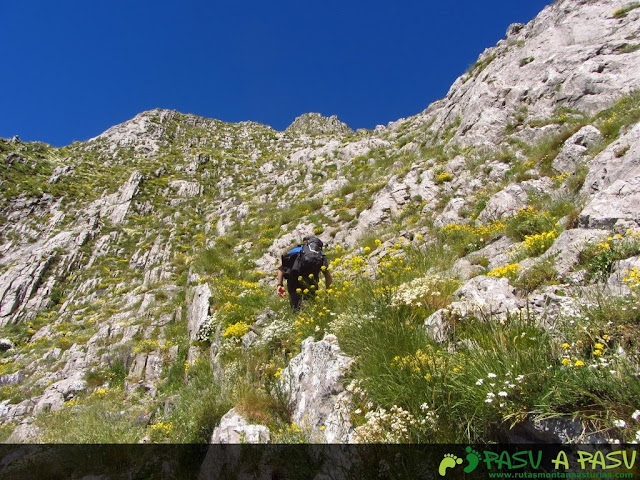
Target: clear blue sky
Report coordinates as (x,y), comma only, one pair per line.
(73,68)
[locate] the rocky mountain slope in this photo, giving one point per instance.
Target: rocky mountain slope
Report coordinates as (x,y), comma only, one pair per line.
(485,255)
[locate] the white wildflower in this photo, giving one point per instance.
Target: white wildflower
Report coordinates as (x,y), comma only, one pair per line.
(503,394)
(636,415)
(619,423)
(491,375)
(480,382)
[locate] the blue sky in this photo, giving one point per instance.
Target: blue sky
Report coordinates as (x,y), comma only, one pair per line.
(71,69)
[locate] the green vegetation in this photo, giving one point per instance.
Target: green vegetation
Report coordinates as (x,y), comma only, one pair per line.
(526,61)
(598,259)
(478,67)
(622,12)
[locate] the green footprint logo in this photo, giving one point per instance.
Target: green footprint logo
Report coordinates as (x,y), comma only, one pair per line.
(449,461)
(473,457)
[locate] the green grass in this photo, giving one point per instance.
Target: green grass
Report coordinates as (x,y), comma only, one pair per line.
(626,111)
(622,12)
(529,221)
(478,67)
(96,419)
(598,259)
(199,405)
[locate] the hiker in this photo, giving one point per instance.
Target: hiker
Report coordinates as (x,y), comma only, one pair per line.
(301,267)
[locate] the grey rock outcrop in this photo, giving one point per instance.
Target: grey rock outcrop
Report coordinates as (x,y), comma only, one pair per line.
(317,124)
(505,203)
(575,149)
(5,344)
(567,56)
(613,183)
(115,206)
(554,430)
(568,246)
(234,428)
(313,381)
(24,433)
(488,298)
(198,310)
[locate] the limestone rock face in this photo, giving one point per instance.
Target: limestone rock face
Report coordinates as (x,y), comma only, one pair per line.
(574,151)
(504,204)
(198,310)
(613,184)
(116,206)
(313,381)
(316,124)
(567,247)
(569,55)
(489,295)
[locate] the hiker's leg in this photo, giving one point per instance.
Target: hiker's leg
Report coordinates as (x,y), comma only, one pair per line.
(294,297)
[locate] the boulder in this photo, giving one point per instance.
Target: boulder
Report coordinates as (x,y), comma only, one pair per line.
(313,381)
(24,433)
(565,430)
(568,246)
(497,253)
(483,297)
(575,149)
(621,270)
(234,428)
(504,203)
(6,344)
(490,295)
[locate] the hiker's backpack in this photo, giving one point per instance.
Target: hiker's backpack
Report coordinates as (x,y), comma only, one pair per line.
(303,260)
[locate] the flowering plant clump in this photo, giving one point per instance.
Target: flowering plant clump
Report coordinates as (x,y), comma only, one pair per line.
(161,430)
(558,180)
(432,291)
(425,364)
(443,177)
(500,391)
(470,237)
(236,330)
(538,243)
(632,279)
(349,322)
(583,353)
(386,426)
(207,327)
(529,221)
(509,271)
(598,258)
(146,346)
